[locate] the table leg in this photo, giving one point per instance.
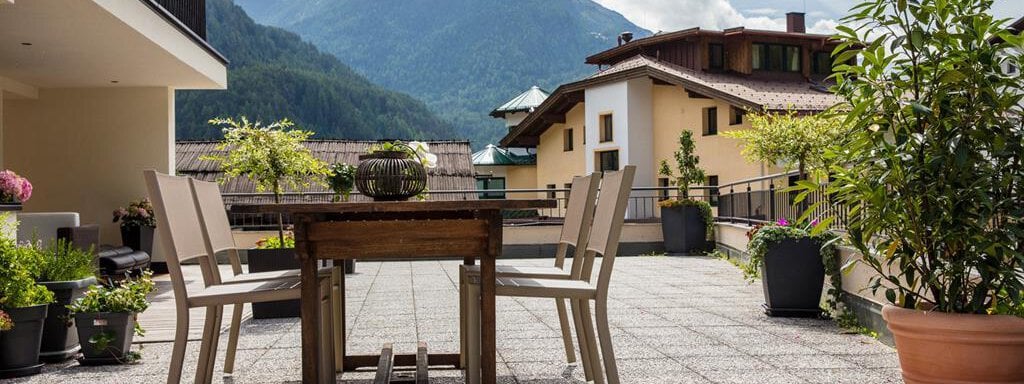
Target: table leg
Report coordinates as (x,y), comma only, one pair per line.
(342,335)
(488,361)
(310,304)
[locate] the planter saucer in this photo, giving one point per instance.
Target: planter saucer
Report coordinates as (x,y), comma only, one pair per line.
(92,361)
(19,372)
(59,356)
(787,312)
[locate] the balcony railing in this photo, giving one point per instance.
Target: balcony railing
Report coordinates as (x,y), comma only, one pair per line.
(770,198)
(188,13)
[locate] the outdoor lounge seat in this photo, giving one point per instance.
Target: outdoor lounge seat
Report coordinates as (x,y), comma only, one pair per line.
(121,261)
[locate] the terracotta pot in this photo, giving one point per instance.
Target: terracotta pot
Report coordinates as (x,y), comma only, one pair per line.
(937,347)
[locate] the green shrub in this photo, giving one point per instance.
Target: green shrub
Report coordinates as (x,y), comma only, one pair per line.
(62,261)
(18,268)
(128,296)
(274,242)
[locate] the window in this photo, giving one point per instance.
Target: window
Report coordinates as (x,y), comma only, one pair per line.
(716,56)
(713,193)
(567,140)
(607,133)
(1011,69)
(710,121)
(776,57)
(736,115)
(608,161)
(552,194)
(486,183)
(663,194)
(821,63)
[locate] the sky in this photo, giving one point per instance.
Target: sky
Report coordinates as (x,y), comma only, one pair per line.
(822,15)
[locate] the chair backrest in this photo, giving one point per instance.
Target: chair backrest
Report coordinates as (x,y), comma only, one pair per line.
(579,212)
(179,229)
(214,221)
(608,218)
(43,226)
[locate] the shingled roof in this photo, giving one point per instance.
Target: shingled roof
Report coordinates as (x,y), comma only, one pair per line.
(454,170)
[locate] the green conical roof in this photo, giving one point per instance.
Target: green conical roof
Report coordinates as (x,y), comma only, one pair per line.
(492,155)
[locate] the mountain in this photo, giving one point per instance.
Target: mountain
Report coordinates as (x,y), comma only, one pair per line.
(274,74)
(462,58)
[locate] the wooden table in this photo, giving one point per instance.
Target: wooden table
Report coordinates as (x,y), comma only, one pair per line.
(468,229)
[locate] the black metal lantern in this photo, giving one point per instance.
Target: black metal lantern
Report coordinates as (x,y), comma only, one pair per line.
(390,176)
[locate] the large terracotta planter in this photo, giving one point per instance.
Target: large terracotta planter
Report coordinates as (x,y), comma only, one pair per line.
(936,347)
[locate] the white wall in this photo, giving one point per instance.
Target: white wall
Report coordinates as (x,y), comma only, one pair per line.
(513,119)
(601,100)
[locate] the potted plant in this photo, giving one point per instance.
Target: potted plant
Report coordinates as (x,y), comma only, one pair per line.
(341,181)
(14,191)
(137,225)
(273,158)
(395,171)
(931,173)
(66,271)
(791,262)
(105,317)
(24,303)
(685,223)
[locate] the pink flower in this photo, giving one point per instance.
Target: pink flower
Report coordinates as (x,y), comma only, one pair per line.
(26,190)
(11,187)
(814,223)
(782,222)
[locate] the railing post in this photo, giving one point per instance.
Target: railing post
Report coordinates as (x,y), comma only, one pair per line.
(749,204)
(732,204)
(771,201)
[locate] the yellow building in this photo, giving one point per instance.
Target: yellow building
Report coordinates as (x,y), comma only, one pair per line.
(648,90)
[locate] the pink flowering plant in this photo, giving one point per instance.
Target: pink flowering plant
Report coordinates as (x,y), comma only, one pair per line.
(14,189)
(138,213)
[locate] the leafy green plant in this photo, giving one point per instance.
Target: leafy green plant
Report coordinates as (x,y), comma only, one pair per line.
(342,180)
(18,287)
(62,261)
(788,139)
(272,156)
(128,296)
(931,168)
(764,236)
(275,242)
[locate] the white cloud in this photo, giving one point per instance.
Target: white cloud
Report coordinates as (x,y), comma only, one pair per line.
(672,15)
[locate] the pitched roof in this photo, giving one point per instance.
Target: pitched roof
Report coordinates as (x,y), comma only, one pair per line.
(454,170)
(737,90)
(638,46)
(492,155)
(525,102)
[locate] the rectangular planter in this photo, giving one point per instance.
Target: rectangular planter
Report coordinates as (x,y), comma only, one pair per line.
(120,328)
(60,342)
(266,260)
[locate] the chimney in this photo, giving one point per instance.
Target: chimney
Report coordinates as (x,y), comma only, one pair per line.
(795,22)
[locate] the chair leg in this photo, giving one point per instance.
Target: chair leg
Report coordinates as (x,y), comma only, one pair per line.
(336,276)
(236,324)
(178,349)
(215,340)
(581,338)
(205,350)
(473,333)
(328,372)
(604,333)
(588,329)
(563,321)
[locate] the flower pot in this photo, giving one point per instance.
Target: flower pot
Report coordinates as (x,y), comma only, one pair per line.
(683,229)
(138,237)
(793,276)
(19,347)
(937,347)
(266,260)
(390,176)
(60,342)
(116,329)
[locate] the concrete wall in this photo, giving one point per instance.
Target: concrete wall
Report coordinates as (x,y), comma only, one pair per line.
(84,149)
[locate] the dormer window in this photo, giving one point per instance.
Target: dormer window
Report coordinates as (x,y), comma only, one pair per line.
(716,56)
(775,57)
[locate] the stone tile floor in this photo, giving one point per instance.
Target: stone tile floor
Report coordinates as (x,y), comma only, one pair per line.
(674,320)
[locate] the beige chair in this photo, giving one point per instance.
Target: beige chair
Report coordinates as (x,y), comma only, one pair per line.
(579,289)
(575,230)
(219,239)
(179,229)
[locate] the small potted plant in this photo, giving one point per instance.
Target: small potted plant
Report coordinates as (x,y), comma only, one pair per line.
(24,303)
(791,260)
(106,319)
(137,225)
(342,180)
(14,189)
(274,158)
(685,223)
(66,271)
(395,171)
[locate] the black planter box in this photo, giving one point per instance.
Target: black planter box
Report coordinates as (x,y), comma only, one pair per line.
(121,328)
(19,347)
(139,238)
(60,342)
(793,276)
(266,260)
(683,229)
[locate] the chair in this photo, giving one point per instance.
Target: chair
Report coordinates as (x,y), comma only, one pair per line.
(578,214)
(179,229)
(219,239)
(604,240)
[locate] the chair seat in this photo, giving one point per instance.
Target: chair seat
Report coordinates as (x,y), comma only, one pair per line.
(251,292)
(553,288)
(522,271)
(271,275)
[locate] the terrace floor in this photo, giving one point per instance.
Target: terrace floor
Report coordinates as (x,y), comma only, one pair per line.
(674,320)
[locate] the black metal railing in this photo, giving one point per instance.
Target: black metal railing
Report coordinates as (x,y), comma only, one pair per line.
(189,13)
(771,198)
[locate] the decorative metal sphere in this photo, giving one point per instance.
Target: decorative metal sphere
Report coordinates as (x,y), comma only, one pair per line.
(390,176)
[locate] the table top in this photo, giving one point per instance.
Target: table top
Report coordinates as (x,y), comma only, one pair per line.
(396,206)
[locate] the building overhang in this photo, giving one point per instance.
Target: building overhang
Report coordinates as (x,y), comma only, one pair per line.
(102,43)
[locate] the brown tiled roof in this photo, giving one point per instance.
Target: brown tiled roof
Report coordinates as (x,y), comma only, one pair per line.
(638,46)
(761,94)
(454,170)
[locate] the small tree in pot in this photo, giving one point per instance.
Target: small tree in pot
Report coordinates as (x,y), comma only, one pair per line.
(685,223)
(274,158)
(25,303)
(932,174)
